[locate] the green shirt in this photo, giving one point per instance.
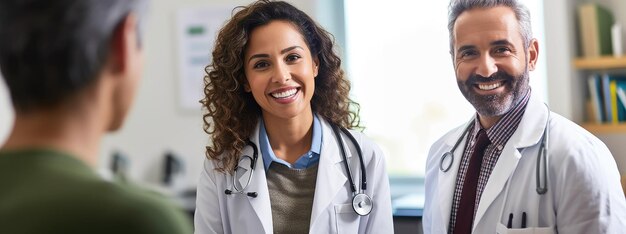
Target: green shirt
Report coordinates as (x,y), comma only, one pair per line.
(43,191)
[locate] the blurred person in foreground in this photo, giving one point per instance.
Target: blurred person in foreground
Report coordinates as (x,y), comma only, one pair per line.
(72,68)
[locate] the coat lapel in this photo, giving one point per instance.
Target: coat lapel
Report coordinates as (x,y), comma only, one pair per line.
(499,176)
(527,134)
(330,176)
(447,180)
(260,204)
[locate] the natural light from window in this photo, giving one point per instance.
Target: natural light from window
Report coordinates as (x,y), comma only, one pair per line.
(402,75)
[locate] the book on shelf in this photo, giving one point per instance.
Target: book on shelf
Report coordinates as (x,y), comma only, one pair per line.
(594,96)
(606,97)
(616,39)
(605,104)
(594,28)
(621,99)
(613,94)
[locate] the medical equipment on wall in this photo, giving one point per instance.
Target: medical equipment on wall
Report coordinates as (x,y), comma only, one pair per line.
(120,165)
(361,203)
(173,169)
(542,156)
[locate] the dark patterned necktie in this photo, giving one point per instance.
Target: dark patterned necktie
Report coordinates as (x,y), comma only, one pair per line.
(465,212)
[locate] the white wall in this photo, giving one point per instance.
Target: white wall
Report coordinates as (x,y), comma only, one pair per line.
(157,124)
(6,112)
(565,85)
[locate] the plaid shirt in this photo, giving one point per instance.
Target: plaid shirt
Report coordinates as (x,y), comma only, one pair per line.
(498,134)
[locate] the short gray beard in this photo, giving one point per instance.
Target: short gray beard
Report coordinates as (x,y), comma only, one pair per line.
(498,105)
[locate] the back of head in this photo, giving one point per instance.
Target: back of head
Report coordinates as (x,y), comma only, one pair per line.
(457,7)
(50,50)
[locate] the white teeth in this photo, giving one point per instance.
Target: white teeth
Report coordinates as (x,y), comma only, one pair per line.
(285,94)
(489,87)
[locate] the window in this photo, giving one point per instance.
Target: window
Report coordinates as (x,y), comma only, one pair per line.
(402,75)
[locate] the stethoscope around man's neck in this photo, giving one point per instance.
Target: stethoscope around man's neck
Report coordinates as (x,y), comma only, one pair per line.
(362,204)
(542,156)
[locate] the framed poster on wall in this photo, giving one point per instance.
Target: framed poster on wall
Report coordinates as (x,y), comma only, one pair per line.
(197,28)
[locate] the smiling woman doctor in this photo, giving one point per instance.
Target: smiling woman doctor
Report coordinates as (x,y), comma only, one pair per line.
(282,160)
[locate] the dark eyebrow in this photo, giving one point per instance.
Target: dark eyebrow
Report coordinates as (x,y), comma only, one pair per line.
(501,42)
(465,47)
(494,43)
(290,49)
(258,56)
(267,56)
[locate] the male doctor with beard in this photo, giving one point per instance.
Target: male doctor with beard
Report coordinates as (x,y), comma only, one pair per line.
(515,166)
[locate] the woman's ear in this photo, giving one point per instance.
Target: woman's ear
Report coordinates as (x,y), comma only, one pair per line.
(246,87)
(316,63)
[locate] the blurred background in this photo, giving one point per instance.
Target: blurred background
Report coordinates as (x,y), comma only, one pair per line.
(395,53)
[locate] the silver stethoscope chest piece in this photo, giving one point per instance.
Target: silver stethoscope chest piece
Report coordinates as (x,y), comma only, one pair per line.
(362,204)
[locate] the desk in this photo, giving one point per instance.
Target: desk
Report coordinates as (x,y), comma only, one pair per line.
(407,200)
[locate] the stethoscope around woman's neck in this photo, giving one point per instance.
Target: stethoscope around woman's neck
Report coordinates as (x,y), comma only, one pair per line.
(542,156)
(362,204)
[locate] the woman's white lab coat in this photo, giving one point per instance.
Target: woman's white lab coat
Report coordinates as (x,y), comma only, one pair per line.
(332,210)
(584,192)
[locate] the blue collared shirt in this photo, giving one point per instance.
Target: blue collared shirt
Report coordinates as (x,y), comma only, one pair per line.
(307,160)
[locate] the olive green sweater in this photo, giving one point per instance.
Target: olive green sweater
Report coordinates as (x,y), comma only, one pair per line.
(291,196)
(43,191)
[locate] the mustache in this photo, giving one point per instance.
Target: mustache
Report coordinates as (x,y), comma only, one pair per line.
(499,75)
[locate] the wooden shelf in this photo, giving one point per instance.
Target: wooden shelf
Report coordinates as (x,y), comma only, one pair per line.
(605,128)
(604,62)
(600,63)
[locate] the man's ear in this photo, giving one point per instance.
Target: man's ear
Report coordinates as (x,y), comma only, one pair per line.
(125,47)
(533,54)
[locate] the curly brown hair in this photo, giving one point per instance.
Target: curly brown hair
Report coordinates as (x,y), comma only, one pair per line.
(232,113)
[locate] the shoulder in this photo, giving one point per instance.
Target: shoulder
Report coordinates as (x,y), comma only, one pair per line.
(362,138)
(444,140)
(371,150)
(88,206)
(585,179)
(578,155)
(61,192)
(568,138)
(210,174)
(150,211)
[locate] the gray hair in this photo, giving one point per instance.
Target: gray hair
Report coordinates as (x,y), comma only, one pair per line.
(50,50)
(457,7)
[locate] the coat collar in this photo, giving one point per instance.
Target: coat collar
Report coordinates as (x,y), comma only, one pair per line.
(528,133)
(331,177)
(260,204)
(447,180)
